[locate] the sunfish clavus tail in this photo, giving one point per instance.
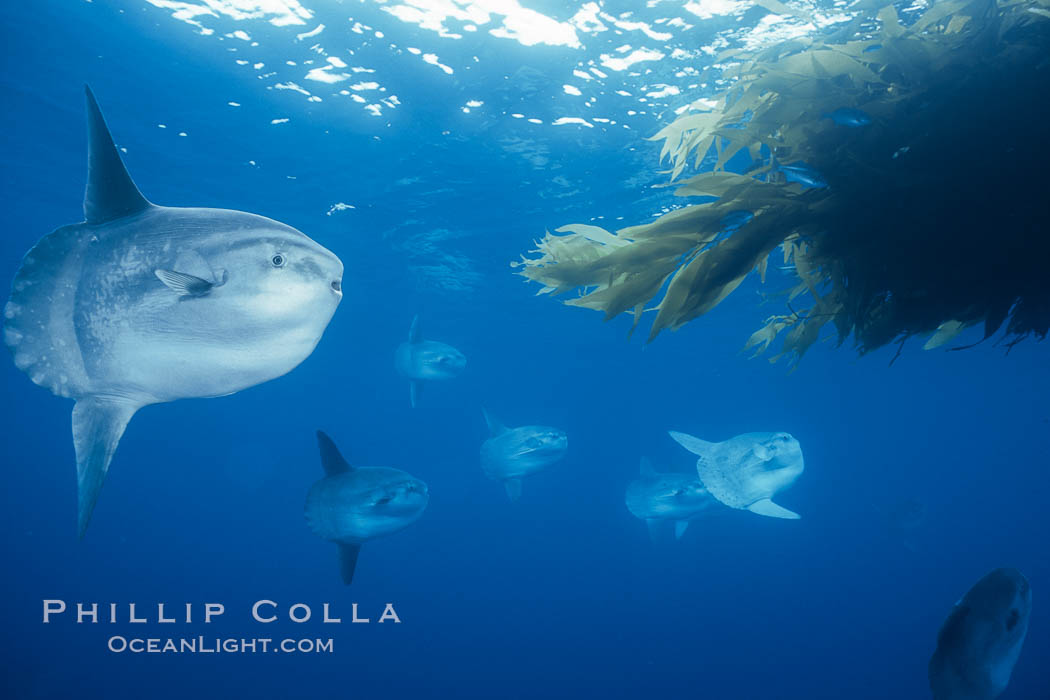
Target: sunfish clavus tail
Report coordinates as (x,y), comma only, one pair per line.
(143,304)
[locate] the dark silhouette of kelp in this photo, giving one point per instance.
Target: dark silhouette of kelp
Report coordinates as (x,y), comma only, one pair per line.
(901,169)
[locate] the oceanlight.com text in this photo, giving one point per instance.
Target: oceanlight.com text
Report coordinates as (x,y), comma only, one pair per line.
(217,645)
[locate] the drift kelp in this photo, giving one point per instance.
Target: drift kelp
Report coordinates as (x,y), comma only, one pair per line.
(881,165)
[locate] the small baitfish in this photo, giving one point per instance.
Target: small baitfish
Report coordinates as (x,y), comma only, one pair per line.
(846,116)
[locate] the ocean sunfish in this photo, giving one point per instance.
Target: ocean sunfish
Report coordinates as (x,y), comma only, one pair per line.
(352,505)
(746,471)
(143,304)
(981,640)
(511,453)
(659,498)
(421,360)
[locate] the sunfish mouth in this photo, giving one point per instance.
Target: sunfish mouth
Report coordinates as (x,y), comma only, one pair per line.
(337,285)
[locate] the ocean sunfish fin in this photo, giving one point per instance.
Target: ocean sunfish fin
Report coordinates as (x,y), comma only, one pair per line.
(415,388)
(494,425)
(679,528)
(348,560)
(186,285)
(695,445)
(513,487)
(331,460)
(656,529)
(97,427)
(110,193)
(645,467)
(415,335)
(770,509)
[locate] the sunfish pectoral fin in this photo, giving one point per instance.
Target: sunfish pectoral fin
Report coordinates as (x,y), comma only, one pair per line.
(187,285)
(415,335)
(513,487)
(331,460)
(414,388)
(770,509)
(110,193)
(679,528)
(693,444)
(348,560)
(97,426)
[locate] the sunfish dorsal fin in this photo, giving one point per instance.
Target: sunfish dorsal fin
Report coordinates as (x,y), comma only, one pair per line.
(332,462)
(98,425)
(645,467)
(695,445)
(110,193)
(415,335)
(494,425)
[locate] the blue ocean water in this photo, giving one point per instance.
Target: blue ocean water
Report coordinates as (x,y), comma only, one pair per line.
(426,199)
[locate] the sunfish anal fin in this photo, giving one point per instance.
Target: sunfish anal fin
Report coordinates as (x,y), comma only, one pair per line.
(110,193)
(770,509)
(679,528)
(693,444)
(348,560)
(513,487)
(187,285)
(415,387)
(331,460)
(97,427)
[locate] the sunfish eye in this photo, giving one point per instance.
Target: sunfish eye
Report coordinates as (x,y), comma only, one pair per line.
(278,260)
(1012,620)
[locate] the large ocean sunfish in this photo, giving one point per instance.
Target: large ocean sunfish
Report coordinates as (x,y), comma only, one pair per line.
(981,640)
(512,453)
(143,304)
(746,471)
(659,498)
(352,505)
(421,360)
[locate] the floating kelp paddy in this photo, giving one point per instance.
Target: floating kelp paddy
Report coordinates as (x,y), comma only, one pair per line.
(899,166)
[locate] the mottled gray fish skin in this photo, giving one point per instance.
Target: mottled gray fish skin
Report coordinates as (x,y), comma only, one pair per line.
(143,304)
(512,453)
(981,639)
(352,505)
(746,471)
(421,360)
